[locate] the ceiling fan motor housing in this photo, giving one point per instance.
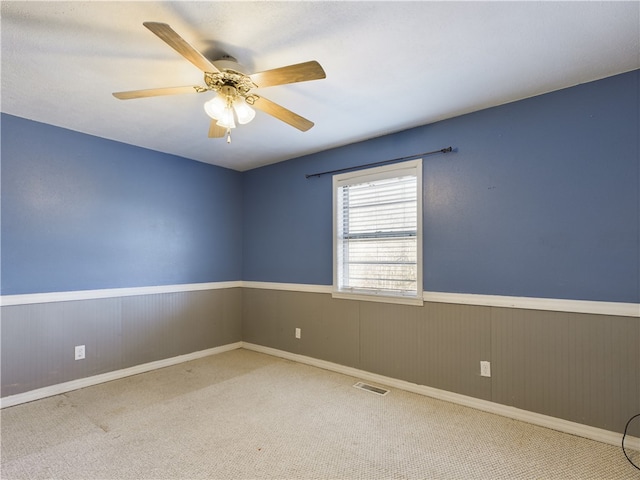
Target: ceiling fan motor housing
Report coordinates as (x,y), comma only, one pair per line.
(230,80)
(228,62)
(229,91)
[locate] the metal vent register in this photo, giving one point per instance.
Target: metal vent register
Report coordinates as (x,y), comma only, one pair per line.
(371,388)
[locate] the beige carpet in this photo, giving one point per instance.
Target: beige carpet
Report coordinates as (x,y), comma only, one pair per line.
(245,415)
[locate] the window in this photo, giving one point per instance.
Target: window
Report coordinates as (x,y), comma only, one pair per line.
(377,225)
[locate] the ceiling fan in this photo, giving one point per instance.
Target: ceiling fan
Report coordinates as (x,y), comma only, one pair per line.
(234,88)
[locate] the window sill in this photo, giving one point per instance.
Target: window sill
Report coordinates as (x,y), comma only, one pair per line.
(418,301)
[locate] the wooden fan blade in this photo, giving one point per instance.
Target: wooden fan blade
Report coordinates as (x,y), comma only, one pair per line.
(180,45)
(301,72)
(156,92)
(282,113)
(216,131)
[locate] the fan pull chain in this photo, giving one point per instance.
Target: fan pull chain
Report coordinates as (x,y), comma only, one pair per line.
(228,135)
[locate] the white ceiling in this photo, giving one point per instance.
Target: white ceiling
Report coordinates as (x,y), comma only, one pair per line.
(389,65)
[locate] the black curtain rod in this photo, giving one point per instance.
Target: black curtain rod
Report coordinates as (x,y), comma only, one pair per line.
(443,150)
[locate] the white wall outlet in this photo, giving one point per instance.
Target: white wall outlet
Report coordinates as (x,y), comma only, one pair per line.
(79,352)
(485,369)
(298,333)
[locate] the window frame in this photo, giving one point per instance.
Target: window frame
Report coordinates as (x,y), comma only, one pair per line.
(411,167)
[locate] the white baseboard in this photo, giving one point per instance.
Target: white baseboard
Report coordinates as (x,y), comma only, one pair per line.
(60,388)
(565,426)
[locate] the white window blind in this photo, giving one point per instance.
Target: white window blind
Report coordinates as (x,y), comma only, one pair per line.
(378,231)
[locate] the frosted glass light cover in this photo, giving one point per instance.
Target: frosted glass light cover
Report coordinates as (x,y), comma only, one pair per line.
(226,119)
(215,107)
(244,112)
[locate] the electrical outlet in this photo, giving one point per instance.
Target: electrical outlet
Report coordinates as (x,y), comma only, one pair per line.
(485,369)
(298,333)
(79,352)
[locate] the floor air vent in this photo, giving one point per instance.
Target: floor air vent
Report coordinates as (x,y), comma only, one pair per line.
(371,388)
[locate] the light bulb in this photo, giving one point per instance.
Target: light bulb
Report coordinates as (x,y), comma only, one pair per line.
(215,107)
(226,119)
(243,110)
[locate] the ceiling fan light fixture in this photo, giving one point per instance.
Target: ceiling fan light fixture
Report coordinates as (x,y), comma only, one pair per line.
(215,107)
(226,120)
(244,112)
(232,87)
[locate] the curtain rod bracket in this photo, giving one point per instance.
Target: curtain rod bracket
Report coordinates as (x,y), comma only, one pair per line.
(442,150)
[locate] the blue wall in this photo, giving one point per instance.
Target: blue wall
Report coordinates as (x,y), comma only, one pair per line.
(539,199)
(81,212)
